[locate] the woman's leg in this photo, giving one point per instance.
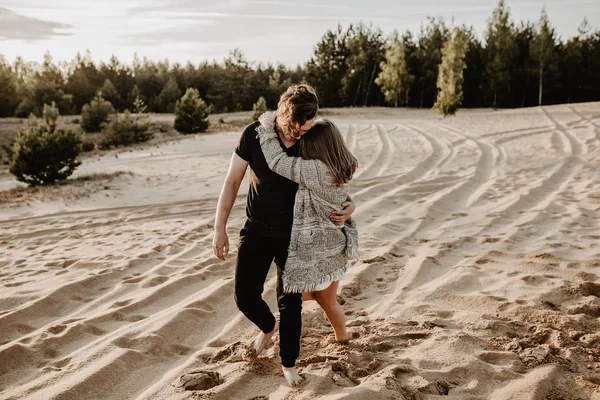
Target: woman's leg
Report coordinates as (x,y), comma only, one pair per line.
(308,296)
(327,299)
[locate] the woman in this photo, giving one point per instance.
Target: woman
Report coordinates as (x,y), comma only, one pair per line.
(319,249)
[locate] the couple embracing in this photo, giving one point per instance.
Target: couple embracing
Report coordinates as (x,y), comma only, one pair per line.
(297,214)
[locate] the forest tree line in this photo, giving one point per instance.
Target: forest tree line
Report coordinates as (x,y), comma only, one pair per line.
(515,65)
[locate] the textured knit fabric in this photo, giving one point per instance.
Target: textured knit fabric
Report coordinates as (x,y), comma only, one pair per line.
(319,249)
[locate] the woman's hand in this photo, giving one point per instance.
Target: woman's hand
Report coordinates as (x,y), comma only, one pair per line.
(339,217)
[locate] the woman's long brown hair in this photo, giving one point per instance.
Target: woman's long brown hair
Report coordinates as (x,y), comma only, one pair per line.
(325,142)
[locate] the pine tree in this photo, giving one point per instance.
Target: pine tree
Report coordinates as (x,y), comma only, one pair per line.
(140,121)
(500,54)
(450,76)
(191,113)
(542,49)
(327,67)
(365,46)
(9,99)
(44,153)
(109,92)
(259,108)
(394,78)
(96,113)
(169,96)
(429,54)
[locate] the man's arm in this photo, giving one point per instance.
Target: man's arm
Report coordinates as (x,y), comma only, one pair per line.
(339,217)
(235,175)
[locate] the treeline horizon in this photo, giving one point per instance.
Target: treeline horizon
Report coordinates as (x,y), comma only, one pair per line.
(513,66)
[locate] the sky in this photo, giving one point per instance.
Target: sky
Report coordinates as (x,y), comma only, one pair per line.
(267,31)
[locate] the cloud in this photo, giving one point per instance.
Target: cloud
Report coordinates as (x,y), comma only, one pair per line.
(182,33)
(298,5)
(15,26)
(208,6)
(190,15)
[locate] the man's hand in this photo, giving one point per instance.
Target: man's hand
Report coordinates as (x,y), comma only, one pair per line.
(339,217)
(220,244)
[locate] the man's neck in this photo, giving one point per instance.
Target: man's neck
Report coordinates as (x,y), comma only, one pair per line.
(287,142)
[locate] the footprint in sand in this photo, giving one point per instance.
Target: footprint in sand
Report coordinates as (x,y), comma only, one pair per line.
(119,316)
(132,280)
(533,280)
(200,380)
(121,303)
(155,281)
(589,289)
(61,363)
(56,329)
(94,330)
(16,284)
(592,310)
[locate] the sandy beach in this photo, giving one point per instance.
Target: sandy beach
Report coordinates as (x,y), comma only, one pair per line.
(479,275)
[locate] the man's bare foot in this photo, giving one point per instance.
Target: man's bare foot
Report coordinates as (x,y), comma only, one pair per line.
(349,337)
(262,339)
(291,376)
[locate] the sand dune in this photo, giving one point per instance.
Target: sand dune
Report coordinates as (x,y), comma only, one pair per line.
(479,278)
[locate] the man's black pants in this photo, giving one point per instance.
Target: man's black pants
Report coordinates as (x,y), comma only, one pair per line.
(255,255)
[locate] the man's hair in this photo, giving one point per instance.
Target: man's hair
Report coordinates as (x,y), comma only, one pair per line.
(297,105)
(325,142)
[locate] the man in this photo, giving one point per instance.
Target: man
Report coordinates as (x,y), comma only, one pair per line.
(266,232)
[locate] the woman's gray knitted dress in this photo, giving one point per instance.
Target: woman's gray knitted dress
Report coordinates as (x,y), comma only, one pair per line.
(319,250)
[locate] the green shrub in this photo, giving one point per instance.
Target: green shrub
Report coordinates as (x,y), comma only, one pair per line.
(259,108)
(87,146)
(7,149)
(25,108)
(191,113)
(125,131)
(95,114)
(42,152)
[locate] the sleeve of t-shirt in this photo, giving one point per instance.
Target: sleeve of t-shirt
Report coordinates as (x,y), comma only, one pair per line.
(244,145)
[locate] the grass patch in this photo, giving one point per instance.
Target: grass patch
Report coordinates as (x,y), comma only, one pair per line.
(68,189)
(161,127)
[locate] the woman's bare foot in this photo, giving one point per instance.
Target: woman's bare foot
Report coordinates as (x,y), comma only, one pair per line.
(262,339)
(349,337)
(291,376)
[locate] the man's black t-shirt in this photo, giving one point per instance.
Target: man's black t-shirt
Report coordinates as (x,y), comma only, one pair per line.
(271,197)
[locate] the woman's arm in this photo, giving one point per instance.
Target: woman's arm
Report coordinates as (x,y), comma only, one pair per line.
(310,173)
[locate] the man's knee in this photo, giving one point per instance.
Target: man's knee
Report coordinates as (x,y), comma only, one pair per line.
(290,301)
(245,299)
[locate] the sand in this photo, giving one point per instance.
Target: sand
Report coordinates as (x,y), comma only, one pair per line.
(478,278)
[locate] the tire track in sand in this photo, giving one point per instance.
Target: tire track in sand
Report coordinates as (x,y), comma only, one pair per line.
(431,264)
(381,160)
(427,168)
